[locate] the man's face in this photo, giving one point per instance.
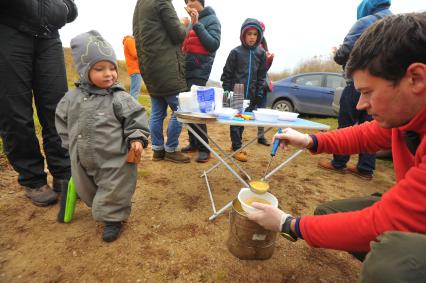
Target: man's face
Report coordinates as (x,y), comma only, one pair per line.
(195,4)
(389,104)
(250,37)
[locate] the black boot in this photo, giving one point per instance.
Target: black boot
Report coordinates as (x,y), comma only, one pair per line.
(203,157)
(263,141)
(111,231)
(59,185)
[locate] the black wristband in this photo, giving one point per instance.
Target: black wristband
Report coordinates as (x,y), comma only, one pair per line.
(286,229)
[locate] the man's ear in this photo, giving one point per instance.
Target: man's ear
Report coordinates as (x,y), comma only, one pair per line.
(417,77)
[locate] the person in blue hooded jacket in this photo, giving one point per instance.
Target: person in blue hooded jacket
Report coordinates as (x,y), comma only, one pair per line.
(200,46)
(246,64)
(369,11)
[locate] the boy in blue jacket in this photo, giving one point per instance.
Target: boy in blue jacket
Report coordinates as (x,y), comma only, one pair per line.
(246,65)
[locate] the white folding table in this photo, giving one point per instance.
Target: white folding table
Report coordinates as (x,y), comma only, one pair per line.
(196,118)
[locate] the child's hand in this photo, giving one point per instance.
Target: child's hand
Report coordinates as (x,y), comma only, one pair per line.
(135,152)
(194,16)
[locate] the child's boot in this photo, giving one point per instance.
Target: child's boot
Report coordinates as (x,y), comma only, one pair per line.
(111,231)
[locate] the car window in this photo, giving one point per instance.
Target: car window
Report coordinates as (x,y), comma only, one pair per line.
(309,80)
(335,81)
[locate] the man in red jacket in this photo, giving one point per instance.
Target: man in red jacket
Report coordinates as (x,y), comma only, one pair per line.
(388,65)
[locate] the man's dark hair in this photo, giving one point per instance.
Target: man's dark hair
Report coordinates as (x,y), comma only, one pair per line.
(201,1)
(389,46)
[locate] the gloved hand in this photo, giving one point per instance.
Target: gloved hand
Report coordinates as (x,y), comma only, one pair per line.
(254,103)
(293,137)
(269,217)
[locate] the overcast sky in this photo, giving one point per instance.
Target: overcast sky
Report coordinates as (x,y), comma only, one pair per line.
(295,30)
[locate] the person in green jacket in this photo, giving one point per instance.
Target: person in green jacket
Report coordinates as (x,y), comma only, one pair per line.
(159,35)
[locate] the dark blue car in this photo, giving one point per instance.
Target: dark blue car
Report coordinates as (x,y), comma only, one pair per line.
(308,93)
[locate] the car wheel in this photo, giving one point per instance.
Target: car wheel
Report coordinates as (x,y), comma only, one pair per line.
(283,105)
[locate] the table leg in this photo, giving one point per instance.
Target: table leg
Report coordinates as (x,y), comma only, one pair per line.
(222,210)
(216,154)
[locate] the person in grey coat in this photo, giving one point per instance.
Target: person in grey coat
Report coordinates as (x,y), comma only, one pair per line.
(101,125)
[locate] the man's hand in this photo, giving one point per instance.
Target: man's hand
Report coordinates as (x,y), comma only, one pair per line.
(269,217)
(135,152)
(293,137)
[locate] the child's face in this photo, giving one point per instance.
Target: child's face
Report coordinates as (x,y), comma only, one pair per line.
(251,37)
(103,74)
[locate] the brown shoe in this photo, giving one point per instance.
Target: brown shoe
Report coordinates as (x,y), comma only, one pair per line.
(326,164)
(158,155)
(42,196)
(354,171)
(241,156)
(177,157)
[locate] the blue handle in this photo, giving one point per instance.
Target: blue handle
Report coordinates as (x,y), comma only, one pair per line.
(276,144)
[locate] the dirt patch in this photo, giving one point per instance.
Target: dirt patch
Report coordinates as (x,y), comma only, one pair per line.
(168,236)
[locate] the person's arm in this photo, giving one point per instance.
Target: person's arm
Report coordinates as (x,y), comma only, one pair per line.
(261,77)
(342,53)
(209,36)
(227,77)
(61,121)
(133,118)
(72,10)
(366,137)
(175,29)
(400,209)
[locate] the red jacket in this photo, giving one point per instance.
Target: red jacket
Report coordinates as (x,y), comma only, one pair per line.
(402,208)
(192,44)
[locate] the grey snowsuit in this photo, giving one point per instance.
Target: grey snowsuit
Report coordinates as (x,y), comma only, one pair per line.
(96,126)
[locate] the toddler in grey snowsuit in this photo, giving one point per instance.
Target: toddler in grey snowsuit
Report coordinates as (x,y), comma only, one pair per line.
(101,125)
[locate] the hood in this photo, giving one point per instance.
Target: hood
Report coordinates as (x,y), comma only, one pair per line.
(370,7)
(207,11)
(89,48)
(248,23)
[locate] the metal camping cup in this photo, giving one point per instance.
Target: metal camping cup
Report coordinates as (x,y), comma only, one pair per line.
(247,239)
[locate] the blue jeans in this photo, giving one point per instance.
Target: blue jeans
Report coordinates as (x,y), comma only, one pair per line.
(156,120)
(349,116)
(135,85)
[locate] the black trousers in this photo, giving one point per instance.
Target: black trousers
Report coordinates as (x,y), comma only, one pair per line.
(32,71)
(193,141)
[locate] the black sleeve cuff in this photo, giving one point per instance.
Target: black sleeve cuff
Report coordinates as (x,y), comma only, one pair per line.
(314,146)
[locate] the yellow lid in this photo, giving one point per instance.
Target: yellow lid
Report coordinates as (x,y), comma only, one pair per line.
(259,187)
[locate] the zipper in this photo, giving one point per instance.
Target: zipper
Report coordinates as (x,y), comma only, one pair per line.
(249,75)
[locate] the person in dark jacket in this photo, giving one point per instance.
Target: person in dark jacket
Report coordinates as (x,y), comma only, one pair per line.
(369,11)
(32,68)
(246,64)
(159,35)
(200,45)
